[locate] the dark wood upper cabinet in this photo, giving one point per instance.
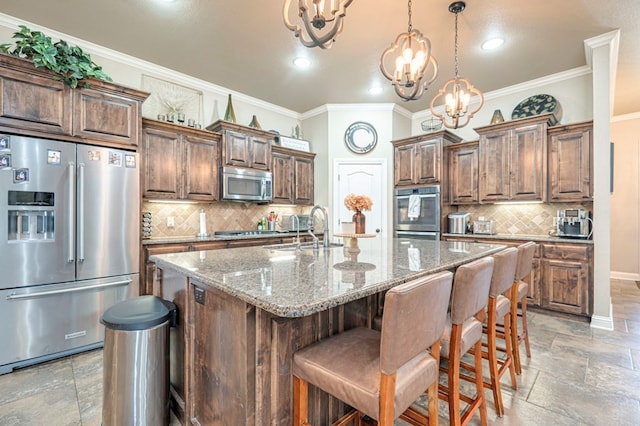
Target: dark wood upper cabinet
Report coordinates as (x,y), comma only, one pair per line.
(32,102)
(293,180)
(463,165)
(418,159)
(513,161)
(179,163)
(244,146)
(571,162)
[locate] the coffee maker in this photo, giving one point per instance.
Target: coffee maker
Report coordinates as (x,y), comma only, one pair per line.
(573,223)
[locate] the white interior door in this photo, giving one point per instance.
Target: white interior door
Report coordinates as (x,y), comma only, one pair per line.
(361,177)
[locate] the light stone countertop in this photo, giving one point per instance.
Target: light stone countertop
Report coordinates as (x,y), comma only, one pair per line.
(296,284)
(195,239)
(536,238)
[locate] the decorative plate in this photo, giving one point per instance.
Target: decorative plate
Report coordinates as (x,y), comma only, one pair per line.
(361,137)
(536,105)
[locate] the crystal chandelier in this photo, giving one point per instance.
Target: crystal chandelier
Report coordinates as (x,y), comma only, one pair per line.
(315,15)
(457,92)
(409,57)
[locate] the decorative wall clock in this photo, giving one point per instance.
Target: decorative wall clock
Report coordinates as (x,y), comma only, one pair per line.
(167,98)
(361,137)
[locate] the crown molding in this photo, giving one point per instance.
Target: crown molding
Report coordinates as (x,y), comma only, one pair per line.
(149,68)
(625,117)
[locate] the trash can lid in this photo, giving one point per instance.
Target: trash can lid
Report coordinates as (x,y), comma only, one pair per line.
(139,313)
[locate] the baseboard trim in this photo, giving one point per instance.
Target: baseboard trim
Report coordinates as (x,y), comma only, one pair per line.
(625,276)
(602,322)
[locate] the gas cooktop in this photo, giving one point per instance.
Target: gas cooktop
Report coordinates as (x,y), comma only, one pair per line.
(240,233)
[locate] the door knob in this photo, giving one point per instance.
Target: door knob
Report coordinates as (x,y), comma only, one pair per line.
(377,230)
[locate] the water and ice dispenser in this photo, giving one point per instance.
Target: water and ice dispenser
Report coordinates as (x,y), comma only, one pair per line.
(31,216)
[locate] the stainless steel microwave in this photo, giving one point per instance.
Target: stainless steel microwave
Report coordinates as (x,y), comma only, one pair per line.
(247,185)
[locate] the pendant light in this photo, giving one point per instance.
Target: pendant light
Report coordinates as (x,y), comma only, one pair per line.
(320,20)
(458,91)
(409,57)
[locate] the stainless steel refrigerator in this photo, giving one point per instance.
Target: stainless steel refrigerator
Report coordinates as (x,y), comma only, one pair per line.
(69,245)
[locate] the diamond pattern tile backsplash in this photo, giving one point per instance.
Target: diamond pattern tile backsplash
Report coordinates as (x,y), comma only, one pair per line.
(521,219)
(221,216)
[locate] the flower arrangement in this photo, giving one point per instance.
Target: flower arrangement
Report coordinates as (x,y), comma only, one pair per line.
(357,202)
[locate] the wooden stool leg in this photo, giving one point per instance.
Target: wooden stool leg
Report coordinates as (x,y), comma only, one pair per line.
(300,402)
(509,350)
(479,383)
(453,377)
(432,395)
(525,328)
(493,358)
(514,328)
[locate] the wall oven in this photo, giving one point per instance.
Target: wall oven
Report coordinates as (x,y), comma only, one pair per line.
(416,212)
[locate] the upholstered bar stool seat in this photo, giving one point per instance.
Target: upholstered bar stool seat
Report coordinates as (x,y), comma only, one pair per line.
(381,374)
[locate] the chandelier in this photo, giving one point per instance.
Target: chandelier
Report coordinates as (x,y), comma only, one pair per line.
(321,20)
(409,57)
(457,92)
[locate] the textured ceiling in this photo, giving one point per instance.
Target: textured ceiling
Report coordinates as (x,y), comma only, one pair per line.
(243,45)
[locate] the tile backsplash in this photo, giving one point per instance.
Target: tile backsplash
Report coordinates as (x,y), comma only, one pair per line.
(521,219)
(221,216)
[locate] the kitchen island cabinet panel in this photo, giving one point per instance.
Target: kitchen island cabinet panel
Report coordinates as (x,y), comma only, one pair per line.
(248,311)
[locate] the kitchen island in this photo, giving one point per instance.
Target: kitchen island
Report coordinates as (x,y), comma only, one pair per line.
(244,312)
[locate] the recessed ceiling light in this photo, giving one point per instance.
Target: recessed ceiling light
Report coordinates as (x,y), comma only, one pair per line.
(302,62)
(375,90)
(493,43)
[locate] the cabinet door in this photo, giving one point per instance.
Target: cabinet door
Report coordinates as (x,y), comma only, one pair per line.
(566,284)
(404,165)
(236,149)
(570,165)
(106,117)
(303,180)
(282,168)
(146,285)
(201,168)
(429,158)
(463,175)
(493,184)
(260,152)
(162,157)
(34,102)
(527,163)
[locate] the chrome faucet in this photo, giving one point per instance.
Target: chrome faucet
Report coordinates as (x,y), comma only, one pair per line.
(297,232)
(325,218)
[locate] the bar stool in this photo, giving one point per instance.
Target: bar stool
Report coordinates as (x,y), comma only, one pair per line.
(499,309)
(519,293)
(463,332)
(380,374)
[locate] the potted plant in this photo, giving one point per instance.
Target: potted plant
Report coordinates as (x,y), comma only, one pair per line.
(69,63)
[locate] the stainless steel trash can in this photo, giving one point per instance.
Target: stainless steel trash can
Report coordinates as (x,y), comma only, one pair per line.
(136,362)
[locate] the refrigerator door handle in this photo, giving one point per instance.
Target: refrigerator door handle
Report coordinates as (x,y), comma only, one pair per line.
(70,219)
(81,212)
(14,296)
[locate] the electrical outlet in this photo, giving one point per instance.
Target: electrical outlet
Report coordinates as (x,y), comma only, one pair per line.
(171,222)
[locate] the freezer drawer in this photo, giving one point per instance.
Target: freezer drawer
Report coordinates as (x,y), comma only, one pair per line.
(48,321)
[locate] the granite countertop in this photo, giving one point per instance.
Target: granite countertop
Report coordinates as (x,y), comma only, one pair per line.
(296,284)
(194,239)
(538,238)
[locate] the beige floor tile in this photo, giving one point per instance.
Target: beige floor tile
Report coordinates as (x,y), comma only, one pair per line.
(58,407)
(593,349)
(613,379)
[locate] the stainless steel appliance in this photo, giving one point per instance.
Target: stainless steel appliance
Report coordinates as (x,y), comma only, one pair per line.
(485,227)
(246,185)
(290,224)
(459,223)
(416,212)
(573,223)
(69,249)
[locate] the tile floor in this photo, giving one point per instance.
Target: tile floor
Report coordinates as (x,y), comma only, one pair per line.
(576,376)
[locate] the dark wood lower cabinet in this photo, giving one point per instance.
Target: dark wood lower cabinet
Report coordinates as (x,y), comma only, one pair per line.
(561,279)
